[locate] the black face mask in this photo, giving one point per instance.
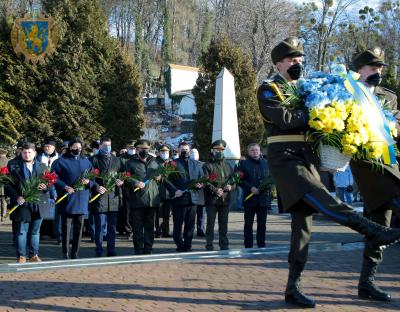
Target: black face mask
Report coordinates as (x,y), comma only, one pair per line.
(295,71)
(75,152)
(143,154)
(374,80)
(218,155)
(184,155)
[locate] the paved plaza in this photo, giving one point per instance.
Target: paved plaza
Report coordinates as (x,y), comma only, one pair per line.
(237,280)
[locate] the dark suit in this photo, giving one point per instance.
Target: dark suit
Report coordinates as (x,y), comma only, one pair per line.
(254,172)
(184,207)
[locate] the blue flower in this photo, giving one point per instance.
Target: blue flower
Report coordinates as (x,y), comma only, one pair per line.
(317,99)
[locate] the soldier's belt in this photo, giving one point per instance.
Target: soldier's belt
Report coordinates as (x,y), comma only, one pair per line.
(286,138)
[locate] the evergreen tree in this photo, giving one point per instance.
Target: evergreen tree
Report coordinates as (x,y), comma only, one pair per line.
(70,94)
(123,107)
(222,54)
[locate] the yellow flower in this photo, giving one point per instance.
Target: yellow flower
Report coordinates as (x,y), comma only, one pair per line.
(393,129)
(349,149)
(364,135)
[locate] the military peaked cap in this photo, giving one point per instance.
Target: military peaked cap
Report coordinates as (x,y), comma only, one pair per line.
(219,144)
(142,143)
(164,148)
(289,47)
(374,56)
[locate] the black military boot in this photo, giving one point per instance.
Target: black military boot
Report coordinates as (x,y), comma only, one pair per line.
(293,293)
(378,235)
(366,287)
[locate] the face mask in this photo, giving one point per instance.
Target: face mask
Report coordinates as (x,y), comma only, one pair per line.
(143,154)
(218,155)
(164,156)
(295,71)
(75,152)
(106,149)
(374,80)
(131,152)
(95,151)
(184,154)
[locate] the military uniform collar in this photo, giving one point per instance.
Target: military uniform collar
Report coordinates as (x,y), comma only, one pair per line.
(280,79)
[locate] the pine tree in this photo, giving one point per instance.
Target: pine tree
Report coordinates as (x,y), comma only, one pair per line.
(222,54)
(70,94)
(123,107)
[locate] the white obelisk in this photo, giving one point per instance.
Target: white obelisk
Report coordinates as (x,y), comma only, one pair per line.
(225,125)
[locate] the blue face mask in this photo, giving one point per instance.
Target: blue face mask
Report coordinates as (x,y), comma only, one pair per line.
(106,149)
(131,152)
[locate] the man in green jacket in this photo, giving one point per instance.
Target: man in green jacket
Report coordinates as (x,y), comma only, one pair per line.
(144,196)
(217,197)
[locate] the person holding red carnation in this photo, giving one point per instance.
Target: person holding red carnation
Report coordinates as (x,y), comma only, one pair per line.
(218,196)
(70,169)
(26,217)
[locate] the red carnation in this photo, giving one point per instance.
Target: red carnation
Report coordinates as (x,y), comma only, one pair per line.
(173,163)
(49,178)
(127,174)
(213,176)
(96,171)
(241,174)
(4,170)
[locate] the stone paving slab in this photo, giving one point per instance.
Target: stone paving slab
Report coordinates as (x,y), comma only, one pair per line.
(244,284)
(278,234)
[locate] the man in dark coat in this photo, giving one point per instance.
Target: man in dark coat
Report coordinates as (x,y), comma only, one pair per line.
(293,166)
(380,188)
(27,216)
(10,165)
(124,213)
(144,196)
(69,170)
(185,200)
(165,198)
(217,197)
(105,208)
(255,169)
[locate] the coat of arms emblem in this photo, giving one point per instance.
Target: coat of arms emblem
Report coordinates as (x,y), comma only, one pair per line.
(34,38)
